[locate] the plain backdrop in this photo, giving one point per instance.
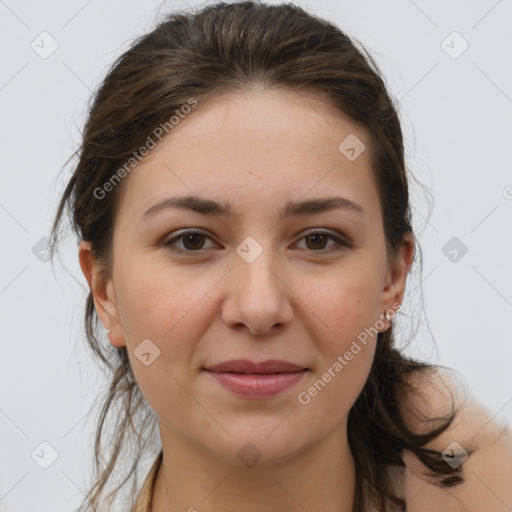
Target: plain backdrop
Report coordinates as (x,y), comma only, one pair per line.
(448,65)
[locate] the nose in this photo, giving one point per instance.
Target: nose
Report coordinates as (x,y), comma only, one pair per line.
(257,297)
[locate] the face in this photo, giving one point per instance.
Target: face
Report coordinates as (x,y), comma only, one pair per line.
(190,290)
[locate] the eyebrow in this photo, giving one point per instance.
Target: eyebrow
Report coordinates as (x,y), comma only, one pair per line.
(209,207)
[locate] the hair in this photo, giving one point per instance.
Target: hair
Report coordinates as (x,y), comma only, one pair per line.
(233,48)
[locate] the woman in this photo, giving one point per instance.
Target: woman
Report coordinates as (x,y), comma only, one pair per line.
(241,202)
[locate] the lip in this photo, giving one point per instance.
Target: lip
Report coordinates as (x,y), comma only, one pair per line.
(252,379)
(257,384)
(263,367)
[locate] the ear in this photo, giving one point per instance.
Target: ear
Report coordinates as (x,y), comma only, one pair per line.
(393,292)
(102,292)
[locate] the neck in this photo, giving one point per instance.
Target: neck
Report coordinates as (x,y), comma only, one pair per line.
(321,477)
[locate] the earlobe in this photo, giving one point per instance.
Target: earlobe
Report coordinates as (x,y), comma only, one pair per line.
(102,292)
(393,293)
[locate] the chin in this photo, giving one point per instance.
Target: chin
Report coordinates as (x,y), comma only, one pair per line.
(261,448)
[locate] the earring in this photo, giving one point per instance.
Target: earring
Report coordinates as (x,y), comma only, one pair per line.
(109,331)
(388,318)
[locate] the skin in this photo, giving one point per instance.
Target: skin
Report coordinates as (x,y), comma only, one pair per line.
(297,301)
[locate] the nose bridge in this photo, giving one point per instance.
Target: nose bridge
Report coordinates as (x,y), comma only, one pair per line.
(257,267)
(259,300)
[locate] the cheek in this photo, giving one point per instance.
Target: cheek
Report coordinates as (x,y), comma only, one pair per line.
(346,305)
(154,300)
(342,324)
(345,355)
(157,306)
(159,303)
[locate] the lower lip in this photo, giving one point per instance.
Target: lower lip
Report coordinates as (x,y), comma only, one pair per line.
(258,384)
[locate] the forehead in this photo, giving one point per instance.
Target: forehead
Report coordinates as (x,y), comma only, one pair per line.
(261,144)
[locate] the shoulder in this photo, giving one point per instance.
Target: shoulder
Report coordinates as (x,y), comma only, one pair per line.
(475,441)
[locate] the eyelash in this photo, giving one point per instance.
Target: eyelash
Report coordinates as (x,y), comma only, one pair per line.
(340,242)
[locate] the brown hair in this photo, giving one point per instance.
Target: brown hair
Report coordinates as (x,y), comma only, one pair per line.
(231,47)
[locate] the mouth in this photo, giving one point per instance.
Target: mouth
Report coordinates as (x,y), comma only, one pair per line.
(251,379)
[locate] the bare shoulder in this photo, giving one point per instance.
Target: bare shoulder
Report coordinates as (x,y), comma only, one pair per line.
(475,441)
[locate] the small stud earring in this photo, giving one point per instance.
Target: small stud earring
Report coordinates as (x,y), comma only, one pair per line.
(109,331)
(388,318)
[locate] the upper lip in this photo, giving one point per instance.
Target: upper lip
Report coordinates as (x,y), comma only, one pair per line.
(246,366)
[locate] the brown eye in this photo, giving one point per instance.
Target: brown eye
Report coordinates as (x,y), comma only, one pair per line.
(192,241)
(316,241)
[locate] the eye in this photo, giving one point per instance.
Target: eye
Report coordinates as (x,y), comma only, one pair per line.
(193,241)
(315,240)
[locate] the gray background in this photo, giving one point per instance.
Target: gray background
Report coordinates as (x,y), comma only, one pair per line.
(456,113)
